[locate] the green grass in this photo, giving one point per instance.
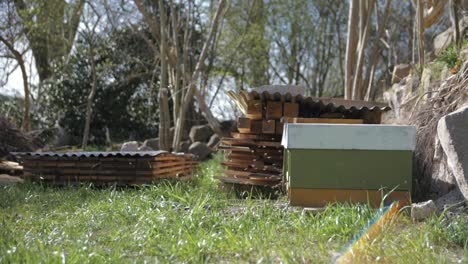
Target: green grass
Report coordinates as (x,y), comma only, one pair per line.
(196,222)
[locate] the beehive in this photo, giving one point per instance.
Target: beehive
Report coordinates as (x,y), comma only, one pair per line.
(326,163)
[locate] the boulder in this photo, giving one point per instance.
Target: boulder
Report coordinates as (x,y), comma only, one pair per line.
(444,39)
(129,146)
(400,71)
(399,94)
(200,133)
(184,146)
(464,55)
(152,143)
(450,200)
(420,211)
(6,179)
(200,149)
(452,131)
(442,179)
(214,141)
(145,148)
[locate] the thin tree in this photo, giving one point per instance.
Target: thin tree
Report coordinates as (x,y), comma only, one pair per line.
(26,123)
(90,37)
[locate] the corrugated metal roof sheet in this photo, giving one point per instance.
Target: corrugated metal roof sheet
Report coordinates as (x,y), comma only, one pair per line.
(322,102)
(94,154)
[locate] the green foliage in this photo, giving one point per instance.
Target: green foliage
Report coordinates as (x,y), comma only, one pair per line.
(12,108)
(124,103)
(193,223)
(449,56)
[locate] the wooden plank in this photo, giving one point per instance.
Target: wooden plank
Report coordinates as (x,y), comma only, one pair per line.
(274,110)
(256,136)
(290,109)
(247,181)
(244,124)
(248,142)
(254,109)
(268,127)
(322,197)
(279,128)
(322,120)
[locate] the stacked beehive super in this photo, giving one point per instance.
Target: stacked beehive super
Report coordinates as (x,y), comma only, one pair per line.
(100,168)
(254,155)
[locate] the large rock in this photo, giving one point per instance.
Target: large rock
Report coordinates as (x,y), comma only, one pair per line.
(444,39)
(200,133)
(400,71)
(184,146)
(200,149)
(152,143)
(399,94)
(452,131)
(214,141)
(420,211)
(129,146)
(442,179)
(450,200)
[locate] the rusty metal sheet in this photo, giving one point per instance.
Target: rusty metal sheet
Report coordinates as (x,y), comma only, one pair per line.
(87,154)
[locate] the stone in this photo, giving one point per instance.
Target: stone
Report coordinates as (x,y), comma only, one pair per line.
(145,148)
(444,39)
(200,133)
(129,146)
(464,55)
(152,143)
(184,146)
(214,141)
(453,198)
(398,95)
(400,71)
(200,149)
(452,131)
(6,179)
(442,179)
(420,211)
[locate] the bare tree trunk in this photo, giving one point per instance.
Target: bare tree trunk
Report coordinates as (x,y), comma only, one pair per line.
(454,19)
(26,124)
(420,21)
(357,88)
(164,116)
(89,102)
(192,89)
(351,47)
(375,50)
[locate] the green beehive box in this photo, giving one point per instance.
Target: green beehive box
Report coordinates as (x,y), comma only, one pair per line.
(325,163)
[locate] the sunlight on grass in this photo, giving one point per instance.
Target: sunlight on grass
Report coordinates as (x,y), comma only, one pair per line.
(196,222)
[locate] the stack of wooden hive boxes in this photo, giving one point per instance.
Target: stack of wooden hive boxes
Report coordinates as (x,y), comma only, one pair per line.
(100,168)
(254,155)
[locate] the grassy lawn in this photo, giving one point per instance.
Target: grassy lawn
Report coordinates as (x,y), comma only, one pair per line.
(196,222)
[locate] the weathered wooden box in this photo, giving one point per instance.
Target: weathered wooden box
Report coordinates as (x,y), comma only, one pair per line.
(326,163)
